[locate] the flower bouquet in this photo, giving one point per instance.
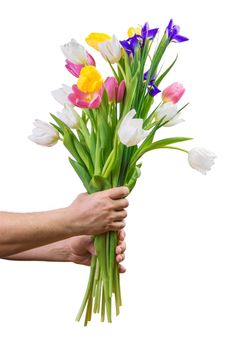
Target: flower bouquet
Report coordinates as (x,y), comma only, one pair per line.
(107,125)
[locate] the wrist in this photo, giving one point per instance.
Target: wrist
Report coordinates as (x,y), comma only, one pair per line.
(70,223)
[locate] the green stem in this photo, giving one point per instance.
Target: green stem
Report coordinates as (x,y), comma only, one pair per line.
(89,288)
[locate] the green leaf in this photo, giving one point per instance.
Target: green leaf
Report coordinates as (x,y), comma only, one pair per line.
(168,141)
(57,128)
(59,122)
(82,173)
(92,145)
(134,177)
(130,94)
(99,183)
(160,144)
(68,142)
(84,154)
(162,76)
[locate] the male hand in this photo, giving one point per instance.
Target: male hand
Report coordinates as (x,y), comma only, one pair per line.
(97,213)
(82,248)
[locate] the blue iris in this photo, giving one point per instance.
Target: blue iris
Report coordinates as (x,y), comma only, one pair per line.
(172,32)
(152,88)
(131,43)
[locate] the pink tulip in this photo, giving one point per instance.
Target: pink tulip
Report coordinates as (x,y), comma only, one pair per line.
(121,91)
(75,69)
(90,60)
(114,90)
(85,100)
(173,93)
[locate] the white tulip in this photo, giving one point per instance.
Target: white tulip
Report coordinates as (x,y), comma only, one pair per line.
(44,134)
(130,131)
(111,50)
(69,116)
(201,159)
(75,52)
(170,112)
(61,95)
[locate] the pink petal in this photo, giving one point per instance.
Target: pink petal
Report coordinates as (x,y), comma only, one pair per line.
(95,102)
(74,68)
(121,91)
(90,60)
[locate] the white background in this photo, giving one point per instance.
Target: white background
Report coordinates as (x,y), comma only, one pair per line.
(178,289)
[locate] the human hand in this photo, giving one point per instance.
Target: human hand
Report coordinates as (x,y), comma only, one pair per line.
(97,213)
(82,248)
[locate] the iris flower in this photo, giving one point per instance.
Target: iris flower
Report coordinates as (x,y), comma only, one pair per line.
(130,44)
(172,32)
(152,88)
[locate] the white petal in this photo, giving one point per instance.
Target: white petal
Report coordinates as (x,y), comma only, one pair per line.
(201,159)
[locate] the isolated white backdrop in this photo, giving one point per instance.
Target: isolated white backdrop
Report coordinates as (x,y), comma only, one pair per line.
(178,288)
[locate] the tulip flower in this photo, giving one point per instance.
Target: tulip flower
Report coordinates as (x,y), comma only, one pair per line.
(130,131)
(172,32)
(170,112)
(61,95)
(134,30)
(201,159)
(75,69)
(85,100)
(44,134)
(77,54)
(90,80)
(173,93)
(69,116)
(111,50)
(94,39)
(115,91)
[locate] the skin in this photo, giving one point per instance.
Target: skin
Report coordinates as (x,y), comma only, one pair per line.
(75,249)
(88,215)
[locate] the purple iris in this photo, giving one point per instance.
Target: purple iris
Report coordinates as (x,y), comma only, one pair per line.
(131,43)
(173,33)
(148,33)
(152,88)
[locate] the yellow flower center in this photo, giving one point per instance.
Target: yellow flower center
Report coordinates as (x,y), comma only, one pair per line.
(132,31)
(90,80)
(94,39)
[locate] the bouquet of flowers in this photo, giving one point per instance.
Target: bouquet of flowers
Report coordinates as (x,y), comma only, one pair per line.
(107,125)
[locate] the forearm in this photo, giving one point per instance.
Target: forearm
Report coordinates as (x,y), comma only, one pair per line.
(57,251)
(24,231)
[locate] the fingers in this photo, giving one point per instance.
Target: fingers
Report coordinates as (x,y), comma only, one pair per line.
(120,204)
(118,192)
(122,269)
(121,248)
(121,235)
(117,225)
(120,215)
(91,249)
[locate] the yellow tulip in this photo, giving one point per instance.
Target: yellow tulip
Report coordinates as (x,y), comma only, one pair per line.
(94,39)
(90,80)
(132,31)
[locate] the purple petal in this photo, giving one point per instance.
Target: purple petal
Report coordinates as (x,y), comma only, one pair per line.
(145,30)
(153,90)
(170,25)
(152,33)
(180,39)
(175,31)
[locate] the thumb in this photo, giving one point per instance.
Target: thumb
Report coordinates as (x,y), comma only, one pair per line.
(91,248)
